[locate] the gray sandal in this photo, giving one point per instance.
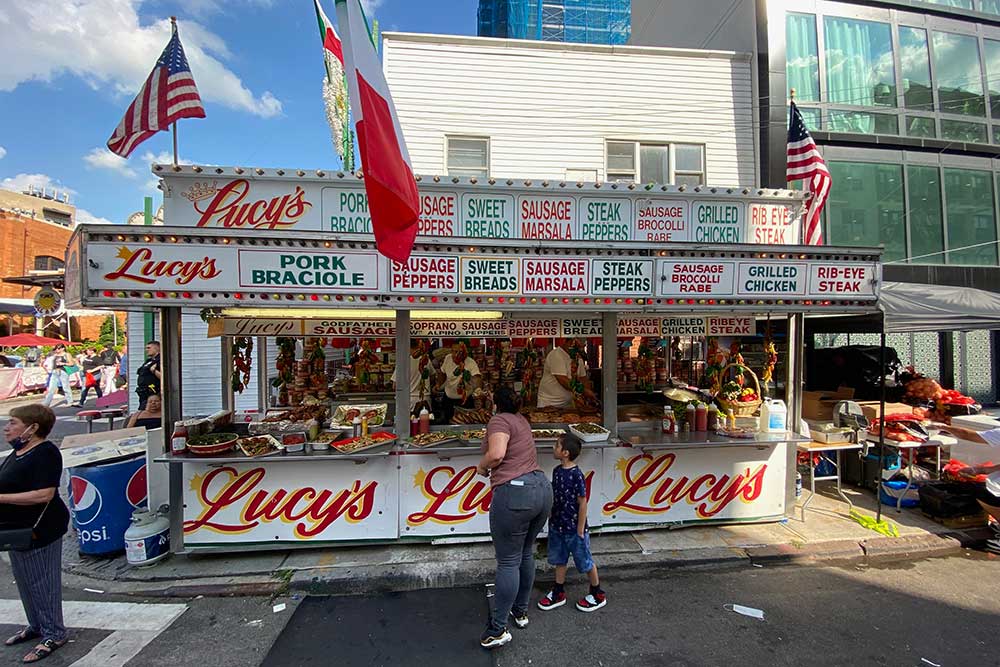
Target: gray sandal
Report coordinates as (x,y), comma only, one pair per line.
(25,635)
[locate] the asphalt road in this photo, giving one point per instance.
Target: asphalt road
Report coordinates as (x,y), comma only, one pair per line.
(66,421)
(935,612)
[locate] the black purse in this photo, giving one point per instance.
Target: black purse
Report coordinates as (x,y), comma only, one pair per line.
(19,539)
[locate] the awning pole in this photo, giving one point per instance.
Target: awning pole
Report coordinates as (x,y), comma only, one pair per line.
(403,406)
(881,430)
(173,410)
(609,371)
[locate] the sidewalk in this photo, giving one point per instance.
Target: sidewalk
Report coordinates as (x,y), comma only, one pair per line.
(827,537)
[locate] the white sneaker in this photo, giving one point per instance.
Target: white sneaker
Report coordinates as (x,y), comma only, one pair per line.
(520,621)
(490,640)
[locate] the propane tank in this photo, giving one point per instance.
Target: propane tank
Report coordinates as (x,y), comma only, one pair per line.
(147,540)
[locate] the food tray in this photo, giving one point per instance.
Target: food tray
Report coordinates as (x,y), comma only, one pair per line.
(344,414)
(216,443)
(547,433)
(474,434)
(831,437)
(435,439)
(590,437)
(739,433)
(244,445)
(359,444)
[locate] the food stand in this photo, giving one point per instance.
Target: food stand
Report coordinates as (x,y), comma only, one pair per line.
(290,255)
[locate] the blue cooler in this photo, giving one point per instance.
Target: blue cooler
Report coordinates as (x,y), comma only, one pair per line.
(102,497)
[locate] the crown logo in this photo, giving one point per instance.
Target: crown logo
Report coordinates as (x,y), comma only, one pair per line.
(200,190)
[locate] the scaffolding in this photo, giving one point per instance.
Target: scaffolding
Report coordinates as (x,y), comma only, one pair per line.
(585,21)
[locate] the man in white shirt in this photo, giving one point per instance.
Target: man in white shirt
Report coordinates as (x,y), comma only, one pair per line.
(560,386)
(460,376)
(418,352)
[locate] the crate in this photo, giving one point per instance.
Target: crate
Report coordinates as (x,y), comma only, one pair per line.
(960,522)
(948,500)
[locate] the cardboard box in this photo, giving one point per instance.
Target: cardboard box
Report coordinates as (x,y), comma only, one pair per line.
(871,409)
(818,405)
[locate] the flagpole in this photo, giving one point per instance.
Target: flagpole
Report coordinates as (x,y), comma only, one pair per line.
(173,127)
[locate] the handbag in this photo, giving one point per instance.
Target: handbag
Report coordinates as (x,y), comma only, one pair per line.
(19,539)
(89,380)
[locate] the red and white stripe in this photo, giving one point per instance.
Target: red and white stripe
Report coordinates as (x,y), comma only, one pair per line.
(161,101)
(805,162)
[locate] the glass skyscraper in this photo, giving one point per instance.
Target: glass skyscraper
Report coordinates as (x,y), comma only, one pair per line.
(584,21)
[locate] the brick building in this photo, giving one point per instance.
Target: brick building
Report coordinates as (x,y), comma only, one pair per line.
(35,228)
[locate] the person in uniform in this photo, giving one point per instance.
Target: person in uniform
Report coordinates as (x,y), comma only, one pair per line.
(565,380)
(148,375)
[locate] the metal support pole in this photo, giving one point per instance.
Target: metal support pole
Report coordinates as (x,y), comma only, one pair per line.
(881,430)
(794,374)
(402,420)
(263,387)
(226,352)
(609,371)
(173,410)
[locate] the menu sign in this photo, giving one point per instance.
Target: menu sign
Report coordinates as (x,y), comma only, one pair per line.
(840,281)
(546,217)
(344,211)
(639,326)
(352,328)
(605,219)
(719,222)
(545,328)
(590,327)
(452,328)
(773,224)
(555,276)
(425,273)
(490,275)
(622,276)
(771,279)
(662,221)
(682,326)
(437,214)
(729,326)
(696,278)
(488,216)
(300,270)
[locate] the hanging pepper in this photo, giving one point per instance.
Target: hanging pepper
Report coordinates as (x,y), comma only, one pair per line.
(242,363)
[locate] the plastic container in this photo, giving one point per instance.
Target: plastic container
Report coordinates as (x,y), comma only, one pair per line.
(414,425)
(890,492)
(701,418)
(773,416)
(425,421)
(147,540)
(689,417)
(668,420)
(102,498)
(178,440)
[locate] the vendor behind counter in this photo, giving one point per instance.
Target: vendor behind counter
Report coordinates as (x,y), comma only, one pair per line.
(565,379)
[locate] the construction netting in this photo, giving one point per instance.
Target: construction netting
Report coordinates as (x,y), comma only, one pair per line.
(586,21)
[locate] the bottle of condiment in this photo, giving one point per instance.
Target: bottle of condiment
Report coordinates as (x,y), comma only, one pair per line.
(668,417)
(713,418)
(731,420)
(701,418)
(178,441)
(689,417)
(364,427)
(356,424)
(414,425)
(425,421)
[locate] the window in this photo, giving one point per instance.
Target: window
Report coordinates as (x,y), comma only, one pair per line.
(926,217)
(862,122)
(958,4)
(989,6)
(680,164)
(957,130)
(811,117)
(920,126)
(915,62)
(959,74)
(47,263)
(468,157)
(802,56)
(992,53)
(859,62)
(971,221)
(867,210)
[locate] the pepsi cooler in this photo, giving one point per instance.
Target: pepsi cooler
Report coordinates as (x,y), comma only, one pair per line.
(102,497)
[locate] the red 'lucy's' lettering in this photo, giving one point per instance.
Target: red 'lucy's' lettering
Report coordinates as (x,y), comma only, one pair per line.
(311,510)
(710,493)
(139,265)
(227,210)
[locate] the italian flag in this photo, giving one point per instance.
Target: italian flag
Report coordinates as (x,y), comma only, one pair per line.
(331,42)
(392,191)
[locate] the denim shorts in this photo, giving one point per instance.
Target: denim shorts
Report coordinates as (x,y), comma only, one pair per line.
(561,545)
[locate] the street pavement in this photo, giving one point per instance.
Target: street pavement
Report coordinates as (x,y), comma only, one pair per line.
(941,611)
(66,421)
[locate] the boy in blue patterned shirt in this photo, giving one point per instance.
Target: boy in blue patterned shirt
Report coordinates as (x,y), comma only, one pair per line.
(568,532)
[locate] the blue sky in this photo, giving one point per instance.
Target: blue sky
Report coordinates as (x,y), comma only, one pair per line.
(72,67)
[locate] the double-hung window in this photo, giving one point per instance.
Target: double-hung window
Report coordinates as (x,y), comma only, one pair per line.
(468,157)
(642,162)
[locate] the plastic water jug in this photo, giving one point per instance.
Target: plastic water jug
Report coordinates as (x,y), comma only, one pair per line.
(773,416)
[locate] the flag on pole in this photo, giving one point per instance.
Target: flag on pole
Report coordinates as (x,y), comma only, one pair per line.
(392,191)
(335,89)
(805,163)
(168,95)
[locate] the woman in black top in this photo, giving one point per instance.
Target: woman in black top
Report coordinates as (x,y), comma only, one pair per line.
(29,497)
(151,417)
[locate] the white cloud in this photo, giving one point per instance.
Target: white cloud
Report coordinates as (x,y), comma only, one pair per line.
(3,151)
(370,6)
(102,42)
(85,217)
(23,181)
(202,8)
(102,158)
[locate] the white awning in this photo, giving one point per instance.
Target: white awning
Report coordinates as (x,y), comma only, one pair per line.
(913,307)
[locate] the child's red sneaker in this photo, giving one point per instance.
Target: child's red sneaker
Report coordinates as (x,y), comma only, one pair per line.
(552,600)
(592,602)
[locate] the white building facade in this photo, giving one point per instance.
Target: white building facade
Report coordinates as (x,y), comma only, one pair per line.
(495,108)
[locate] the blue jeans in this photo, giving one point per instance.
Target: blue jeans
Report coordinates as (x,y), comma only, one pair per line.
(518,512)
(58,378)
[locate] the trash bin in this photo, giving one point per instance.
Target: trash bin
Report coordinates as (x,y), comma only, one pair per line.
(102,497)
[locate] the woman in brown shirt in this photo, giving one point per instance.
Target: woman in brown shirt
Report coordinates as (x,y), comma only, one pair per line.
(522,500)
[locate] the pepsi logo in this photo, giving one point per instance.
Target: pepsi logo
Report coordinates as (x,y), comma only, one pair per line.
(136,489)
(85,500)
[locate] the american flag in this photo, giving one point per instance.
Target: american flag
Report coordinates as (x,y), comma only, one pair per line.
(805,162)
(168,95)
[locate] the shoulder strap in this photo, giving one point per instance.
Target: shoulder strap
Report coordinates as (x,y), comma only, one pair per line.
(39,519)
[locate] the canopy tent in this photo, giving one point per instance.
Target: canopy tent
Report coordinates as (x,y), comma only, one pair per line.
(913,307)
(30,340)
(17,306)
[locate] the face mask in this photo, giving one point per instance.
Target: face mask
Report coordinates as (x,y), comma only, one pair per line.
(20,442)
